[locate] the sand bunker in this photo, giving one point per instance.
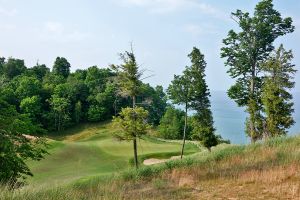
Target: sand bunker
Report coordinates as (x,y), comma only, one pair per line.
(153,161)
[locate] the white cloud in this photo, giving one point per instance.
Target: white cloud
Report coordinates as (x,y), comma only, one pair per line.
(166,6)
(56,31)
(8,12)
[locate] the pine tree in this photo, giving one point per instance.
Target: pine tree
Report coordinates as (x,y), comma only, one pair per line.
(276,98)
(129,82)
(203,128)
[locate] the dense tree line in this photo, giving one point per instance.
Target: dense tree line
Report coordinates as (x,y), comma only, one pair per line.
(56,99)
(36,100)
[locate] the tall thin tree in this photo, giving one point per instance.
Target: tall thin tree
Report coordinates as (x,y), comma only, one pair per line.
(129,82)
(203,124)
(276,97)
(179,92)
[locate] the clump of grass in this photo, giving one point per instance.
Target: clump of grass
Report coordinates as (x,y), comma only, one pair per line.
(160,184)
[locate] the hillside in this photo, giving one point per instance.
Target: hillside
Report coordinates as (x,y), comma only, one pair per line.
(91,150)
(82,166)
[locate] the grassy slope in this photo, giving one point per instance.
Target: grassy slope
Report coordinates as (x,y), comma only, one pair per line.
(90,150)
(270,170)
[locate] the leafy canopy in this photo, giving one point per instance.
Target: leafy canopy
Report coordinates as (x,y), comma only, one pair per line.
(133,123)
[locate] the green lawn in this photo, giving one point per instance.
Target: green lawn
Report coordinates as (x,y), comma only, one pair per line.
(90,150)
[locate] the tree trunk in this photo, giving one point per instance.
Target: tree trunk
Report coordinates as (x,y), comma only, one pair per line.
(134,139)
(184,130)
(135,153)
(252,100)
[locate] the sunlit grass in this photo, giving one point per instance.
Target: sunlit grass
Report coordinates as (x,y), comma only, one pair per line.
(91,150)
(266,170)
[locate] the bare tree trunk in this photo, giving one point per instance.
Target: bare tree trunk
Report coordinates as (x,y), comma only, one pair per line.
(252,110)
(134,140)
(184,130)
(135,154)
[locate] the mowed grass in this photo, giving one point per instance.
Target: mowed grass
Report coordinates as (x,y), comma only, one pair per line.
(91,150)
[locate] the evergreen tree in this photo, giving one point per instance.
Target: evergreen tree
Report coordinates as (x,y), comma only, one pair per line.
(203,128)
(276,98)
(129,82)
(245,50)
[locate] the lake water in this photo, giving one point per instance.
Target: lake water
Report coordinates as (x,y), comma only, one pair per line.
(230,119)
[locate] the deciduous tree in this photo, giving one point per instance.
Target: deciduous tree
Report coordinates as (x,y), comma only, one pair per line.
(61,67)
(245,51)
(179,92)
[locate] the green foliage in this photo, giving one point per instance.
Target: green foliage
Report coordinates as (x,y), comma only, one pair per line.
(179,90)
(128,75)
(39,71)
(78,112)
(60,109)
(15,147)
(245,51)
(85,95)
(61,67)
(27,87)
(31,106)
(12,67)
(95,113)
(191,90)
(276,97)
(203,128)
(154,100)
(2,62)
(133,123)
(172,124)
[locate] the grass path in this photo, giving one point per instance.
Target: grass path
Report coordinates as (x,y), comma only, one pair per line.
(90,150)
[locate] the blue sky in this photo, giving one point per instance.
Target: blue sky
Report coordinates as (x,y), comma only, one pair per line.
(91,32)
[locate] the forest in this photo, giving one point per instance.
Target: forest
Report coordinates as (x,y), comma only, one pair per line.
(40,101)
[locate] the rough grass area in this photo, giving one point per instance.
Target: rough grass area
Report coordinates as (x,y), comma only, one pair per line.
(90,150)
(269,170)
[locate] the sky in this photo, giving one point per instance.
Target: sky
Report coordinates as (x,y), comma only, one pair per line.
(163,33)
